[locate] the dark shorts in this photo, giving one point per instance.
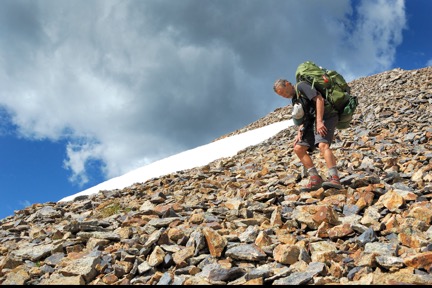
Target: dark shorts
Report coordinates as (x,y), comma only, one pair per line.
(312,139)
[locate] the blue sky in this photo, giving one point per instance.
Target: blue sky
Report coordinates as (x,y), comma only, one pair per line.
(94,89)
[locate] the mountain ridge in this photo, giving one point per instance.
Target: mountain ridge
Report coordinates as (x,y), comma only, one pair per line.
(242,220)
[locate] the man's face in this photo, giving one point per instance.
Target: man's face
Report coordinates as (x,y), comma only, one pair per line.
(286,91)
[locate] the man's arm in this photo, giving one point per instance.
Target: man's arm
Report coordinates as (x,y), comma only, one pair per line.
(314,95)
(319,104)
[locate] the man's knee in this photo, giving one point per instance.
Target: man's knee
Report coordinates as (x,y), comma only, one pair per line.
(300,150)
(323,147)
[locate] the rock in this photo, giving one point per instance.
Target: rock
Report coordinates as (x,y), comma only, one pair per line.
(241,220)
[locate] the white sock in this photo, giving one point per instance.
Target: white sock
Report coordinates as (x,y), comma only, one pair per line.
(333,171)
(312,171)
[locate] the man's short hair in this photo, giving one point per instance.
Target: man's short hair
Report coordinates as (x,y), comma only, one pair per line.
(279,83)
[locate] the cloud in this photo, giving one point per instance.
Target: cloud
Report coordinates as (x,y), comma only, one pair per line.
(371,37)
(24,203)
(77,158)
(130,82)
(429,63)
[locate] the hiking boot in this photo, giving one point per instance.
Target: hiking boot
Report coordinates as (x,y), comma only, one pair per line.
(332,182)
(314,184)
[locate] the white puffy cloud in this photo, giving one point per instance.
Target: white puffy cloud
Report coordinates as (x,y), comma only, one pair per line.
(370,37)
(129,82)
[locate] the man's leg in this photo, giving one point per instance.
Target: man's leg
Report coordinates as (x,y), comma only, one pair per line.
(325,151)
(327,154)
(305,159)
(333,177)
(315,179)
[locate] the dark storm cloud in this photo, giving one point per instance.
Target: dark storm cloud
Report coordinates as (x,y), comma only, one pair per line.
(20,31)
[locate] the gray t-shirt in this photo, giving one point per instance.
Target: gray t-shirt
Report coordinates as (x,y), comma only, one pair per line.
(307,90)
(309,106)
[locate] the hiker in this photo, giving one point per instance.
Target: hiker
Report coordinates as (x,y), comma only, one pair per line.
(317,130)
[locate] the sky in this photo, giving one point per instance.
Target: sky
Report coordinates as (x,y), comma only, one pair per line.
(91,90)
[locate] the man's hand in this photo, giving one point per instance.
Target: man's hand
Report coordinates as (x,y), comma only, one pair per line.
(299,135)
(321,129)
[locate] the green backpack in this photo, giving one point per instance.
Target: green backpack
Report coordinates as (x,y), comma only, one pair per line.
(333,88)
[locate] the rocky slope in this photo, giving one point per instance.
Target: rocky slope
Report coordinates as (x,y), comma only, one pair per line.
(242,220)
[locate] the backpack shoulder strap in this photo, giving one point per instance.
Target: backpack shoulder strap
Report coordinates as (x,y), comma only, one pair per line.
(299,94)
(306,104)
(300,97)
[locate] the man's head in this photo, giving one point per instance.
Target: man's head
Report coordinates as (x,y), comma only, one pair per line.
(284,88)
